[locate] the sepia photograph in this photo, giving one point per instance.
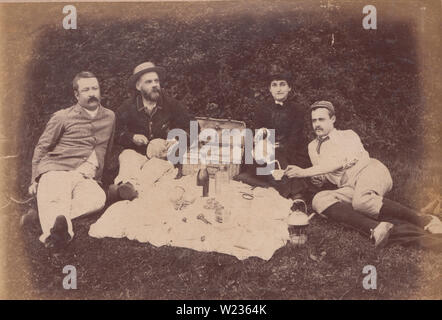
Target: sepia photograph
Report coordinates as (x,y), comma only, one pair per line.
(221,150)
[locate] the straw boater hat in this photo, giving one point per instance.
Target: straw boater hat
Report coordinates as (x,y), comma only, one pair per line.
(142,69)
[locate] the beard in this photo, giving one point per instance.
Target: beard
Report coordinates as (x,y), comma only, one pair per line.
(153,95)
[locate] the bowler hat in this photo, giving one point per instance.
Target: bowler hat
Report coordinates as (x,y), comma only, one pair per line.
(142,69)
(323,104)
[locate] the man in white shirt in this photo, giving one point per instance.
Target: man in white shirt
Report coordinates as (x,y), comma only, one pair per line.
(339,157)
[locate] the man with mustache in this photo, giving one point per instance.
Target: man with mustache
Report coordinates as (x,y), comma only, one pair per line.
(68,163)
(284,115)
(339,157)
(148,115)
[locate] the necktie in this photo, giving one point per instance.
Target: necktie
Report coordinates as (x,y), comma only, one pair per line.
(321,141)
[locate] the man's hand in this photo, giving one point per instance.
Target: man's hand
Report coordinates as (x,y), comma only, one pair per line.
(170,143)
(140,140)
(294,172)
(32,190)
(318,180)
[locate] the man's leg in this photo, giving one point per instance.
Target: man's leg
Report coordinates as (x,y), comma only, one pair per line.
(330,205)
(126,183)
(53,199)
(87,197)
(131,163)
(324,199)
(371,186)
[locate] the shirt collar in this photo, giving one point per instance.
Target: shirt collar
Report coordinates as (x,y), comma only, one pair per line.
(79,108)
(279,102)
(332,134)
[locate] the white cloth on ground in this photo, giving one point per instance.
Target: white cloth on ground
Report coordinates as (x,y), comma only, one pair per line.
(255,227)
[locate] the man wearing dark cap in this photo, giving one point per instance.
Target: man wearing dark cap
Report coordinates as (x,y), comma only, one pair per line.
(339,157)
(150,114)
(282,114)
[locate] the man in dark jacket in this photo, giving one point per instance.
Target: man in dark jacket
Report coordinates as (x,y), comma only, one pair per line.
(282,114)
(147,116)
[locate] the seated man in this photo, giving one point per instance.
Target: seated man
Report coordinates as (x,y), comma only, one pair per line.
(282,114)
(340,157)
(147,116)
(68,162)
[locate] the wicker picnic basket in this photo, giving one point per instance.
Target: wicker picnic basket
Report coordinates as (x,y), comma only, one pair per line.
(190,167)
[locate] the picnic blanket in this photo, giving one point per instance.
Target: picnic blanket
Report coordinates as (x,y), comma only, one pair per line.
(173,212)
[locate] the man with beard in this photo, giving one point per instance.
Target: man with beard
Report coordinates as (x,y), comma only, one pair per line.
(147,116)
(68,163)
(282,114)
(339,157)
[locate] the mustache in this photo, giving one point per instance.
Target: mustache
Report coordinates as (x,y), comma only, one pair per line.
(316,128)
(93,99)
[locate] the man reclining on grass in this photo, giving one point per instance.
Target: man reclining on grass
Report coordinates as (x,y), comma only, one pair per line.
(340,157)
(68,162)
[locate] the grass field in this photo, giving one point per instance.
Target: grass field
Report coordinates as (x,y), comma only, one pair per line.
(328,267)
(219,54)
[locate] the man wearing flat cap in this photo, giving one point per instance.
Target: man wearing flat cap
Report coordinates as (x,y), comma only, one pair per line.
(286,117)
(147,116)
(339,157)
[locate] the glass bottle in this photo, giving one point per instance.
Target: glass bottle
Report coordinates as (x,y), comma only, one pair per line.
(202,180)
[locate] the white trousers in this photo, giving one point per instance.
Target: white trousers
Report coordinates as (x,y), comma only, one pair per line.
(141,172)
(66,193)
(131,163)
(365,193)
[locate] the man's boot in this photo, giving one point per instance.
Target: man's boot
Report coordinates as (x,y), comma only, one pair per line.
(59,237)
(393,209)
(345,214)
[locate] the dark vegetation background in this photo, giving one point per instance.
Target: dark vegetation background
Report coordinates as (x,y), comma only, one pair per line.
(217,57)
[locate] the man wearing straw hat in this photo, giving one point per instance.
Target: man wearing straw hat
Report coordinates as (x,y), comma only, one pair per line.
(339,157)
(147,116)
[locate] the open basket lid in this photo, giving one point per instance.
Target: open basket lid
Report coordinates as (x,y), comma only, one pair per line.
(220,124)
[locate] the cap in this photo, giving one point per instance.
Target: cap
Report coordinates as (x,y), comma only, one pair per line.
(323,104)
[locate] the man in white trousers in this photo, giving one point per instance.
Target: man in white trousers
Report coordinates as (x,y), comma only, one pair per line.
(68,162)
